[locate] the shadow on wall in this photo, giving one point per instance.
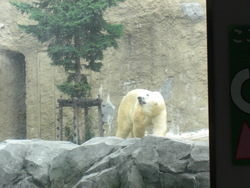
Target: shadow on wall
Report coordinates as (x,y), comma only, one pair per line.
(12,95)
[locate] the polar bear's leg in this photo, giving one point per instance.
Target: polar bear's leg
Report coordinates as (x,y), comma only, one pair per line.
(138,130)
(123,130)
(160,124)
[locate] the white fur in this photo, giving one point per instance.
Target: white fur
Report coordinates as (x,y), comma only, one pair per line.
(134,117)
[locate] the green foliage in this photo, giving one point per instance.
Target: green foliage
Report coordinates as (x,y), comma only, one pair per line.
(74,30)
(89,134)
(74,90)
(68,134)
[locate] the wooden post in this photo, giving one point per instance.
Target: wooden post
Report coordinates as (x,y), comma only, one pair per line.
(77,105)
(75,122)
(86,123)
(60,120)
(101,130)
(86,112)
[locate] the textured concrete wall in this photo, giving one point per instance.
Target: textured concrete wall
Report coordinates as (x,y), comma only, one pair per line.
(163,48)
(12,95)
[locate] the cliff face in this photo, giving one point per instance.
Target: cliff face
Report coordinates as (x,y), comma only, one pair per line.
(163,48)
(104,163)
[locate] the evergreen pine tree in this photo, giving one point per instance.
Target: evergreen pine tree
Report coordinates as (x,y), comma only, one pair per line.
(74,30)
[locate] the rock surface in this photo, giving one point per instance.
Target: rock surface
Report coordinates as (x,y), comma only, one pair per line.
(107,162)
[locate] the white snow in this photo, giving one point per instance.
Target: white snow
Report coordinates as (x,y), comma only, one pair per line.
(202,135)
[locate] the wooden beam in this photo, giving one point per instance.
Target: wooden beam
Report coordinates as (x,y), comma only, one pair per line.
(83,103)
(60,121)
(101,130)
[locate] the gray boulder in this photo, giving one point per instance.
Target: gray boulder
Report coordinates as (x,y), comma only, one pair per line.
(107,162)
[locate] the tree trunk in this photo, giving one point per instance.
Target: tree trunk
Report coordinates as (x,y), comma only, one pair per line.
(60,120)
(76,125)
(87,124)
(101,130)
(79,129)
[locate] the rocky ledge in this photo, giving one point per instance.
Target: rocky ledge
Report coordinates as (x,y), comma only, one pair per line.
(107,162)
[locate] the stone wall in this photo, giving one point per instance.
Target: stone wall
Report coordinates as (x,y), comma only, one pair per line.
(163,48)
(12,95)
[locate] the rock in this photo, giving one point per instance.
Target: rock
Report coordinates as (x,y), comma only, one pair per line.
(2,26)
(193,11)
(25,163)
(108,162)
(167,88)
(100,180)
(108,111)
(199,159)
(108,114)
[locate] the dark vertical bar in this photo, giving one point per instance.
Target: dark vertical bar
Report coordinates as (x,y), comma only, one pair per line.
(60,120)
(100,116)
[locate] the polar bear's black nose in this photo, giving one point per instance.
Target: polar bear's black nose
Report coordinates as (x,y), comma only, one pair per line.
(141,100)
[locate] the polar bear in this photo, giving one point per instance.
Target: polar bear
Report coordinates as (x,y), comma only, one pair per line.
(139,109)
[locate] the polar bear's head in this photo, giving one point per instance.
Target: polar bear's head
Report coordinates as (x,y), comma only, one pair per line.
(152,103)
(149,98)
